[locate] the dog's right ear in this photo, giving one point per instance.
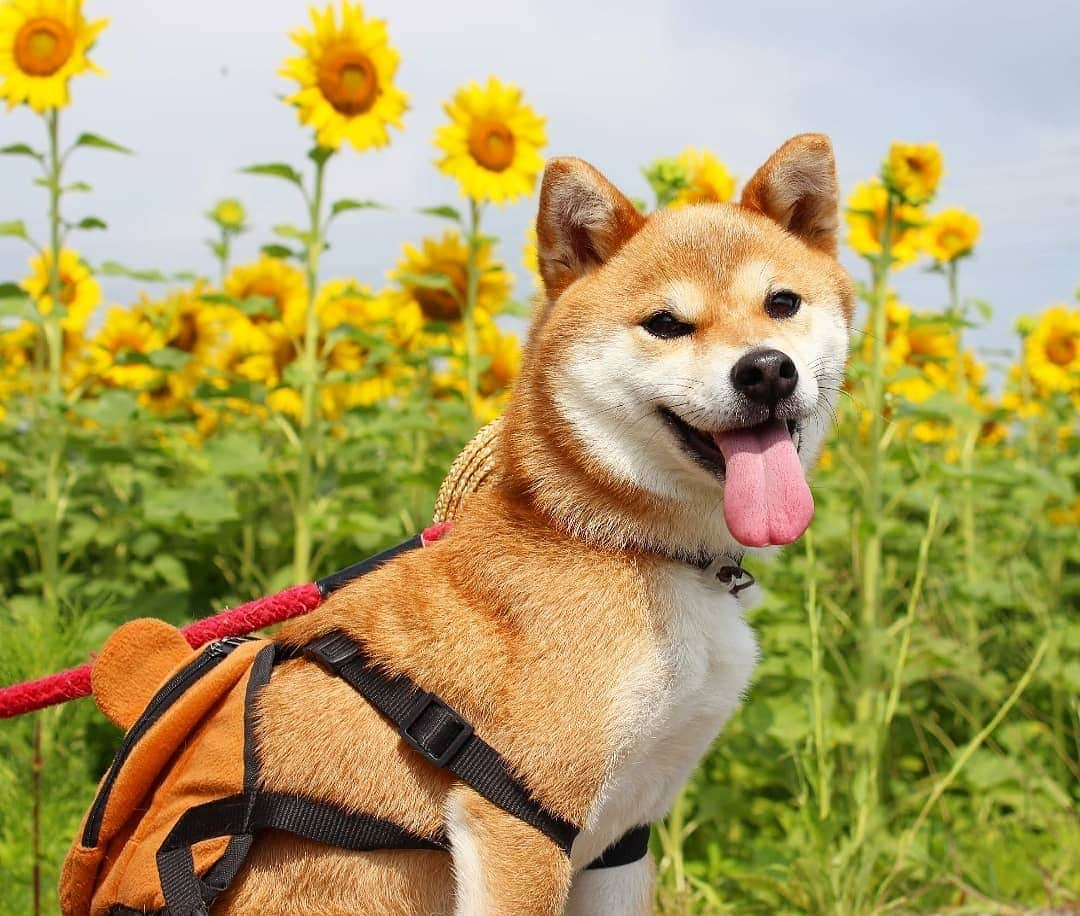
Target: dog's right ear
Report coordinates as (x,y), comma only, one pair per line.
(583,220)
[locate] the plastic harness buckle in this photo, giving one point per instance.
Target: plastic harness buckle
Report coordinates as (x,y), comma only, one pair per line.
(333,650)
(445,732)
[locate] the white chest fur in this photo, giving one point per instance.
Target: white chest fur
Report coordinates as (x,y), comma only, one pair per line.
(673,702)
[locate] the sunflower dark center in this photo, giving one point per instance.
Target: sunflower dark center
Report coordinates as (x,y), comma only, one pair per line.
(69,289)
(348,80)
(441,304)
(491,144)
(265,288)
(42,46)
(187,333)
(1061,350)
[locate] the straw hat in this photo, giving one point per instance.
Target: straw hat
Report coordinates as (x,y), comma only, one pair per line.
(474,467)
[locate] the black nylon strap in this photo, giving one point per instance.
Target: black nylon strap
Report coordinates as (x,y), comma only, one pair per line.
(245,814)
(334,581)
(632,846)
(438,733)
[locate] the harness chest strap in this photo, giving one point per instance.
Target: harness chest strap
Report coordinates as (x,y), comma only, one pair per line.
(438,734)
(447,740)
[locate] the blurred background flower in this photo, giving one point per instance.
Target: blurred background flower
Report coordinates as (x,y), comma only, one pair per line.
(43,44)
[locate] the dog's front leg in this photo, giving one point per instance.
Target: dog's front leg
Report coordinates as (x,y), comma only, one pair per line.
(502,866)
(625,889)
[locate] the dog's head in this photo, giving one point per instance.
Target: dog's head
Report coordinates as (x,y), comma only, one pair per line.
(683,368)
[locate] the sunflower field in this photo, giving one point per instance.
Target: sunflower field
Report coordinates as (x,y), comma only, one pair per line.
(911,742)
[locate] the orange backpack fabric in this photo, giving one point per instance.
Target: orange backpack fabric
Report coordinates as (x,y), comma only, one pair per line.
(186,715)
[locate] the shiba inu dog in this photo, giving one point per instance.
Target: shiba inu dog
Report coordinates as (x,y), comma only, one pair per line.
(585,615)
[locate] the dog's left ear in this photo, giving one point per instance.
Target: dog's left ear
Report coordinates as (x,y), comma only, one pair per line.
(797,188)
(583,220)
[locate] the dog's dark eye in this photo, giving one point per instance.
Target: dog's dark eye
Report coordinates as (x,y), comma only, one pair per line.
(665,325)
(782,304)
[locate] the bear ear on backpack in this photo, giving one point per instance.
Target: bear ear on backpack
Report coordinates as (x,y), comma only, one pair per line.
(134,662)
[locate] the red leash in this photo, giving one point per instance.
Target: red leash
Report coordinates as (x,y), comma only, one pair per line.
(255,615)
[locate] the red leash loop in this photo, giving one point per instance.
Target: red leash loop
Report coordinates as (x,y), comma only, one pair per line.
(75,682)
(255,615)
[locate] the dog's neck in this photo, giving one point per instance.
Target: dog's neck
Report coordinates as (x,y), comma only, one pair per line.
(541,464)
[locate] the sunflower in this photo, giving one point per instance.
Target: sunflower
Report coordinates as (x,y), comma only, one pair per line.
(80,293)
(346,77)
(913,170)
(492,143)
(117,351)
(283,319)
(1052,350)
(247,352)
(448,258)
(273,279)
(229,214)
(708,180)
(950,234)
(865,217)
(43,43)
(345,303)
(286,401)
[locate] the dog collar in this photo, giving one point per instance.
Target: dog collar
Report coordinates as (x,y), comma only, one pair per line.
(728,567)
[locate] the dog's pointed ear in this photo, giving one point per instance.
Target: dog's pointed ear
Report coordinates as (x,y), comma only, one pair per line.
(583,220)
(797,188)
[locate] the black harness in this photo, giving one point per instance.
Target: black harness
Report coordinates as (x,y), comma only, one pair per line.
(431,727)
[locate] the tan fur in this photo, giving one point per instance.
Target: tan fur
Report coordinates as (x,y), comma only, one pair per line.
(532,614)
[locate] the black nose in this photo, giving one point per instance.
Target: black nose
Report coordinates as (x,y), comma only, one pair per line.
(765,376)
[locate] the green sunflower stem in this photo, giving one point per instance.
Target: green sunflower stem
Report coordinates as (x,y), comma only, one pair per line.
(311,366)
(870,629)
(223,256)
(55,436)
(967,434)
(472,287)
(54,346)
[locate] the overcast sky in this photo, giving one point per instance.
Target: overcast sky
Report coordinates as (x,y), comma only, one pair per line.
(192,88)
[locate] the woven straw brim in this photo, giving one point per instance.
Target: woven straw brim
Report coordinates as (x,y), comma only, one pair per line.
(474,467)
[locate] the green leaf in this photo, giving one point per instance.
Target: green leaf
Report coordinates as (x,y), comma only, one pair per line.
(292,232)
(110,407)
(275,170)
(444,211)
(14,229)
(22,149)
(347,203)
(78,186)
(320,154)
(91,222)
(218,299)
(218,249)
(115,269)
(14,301)
(169,358)
(429,281)
(131,358)
(99,142)
(257,305)
(279,251)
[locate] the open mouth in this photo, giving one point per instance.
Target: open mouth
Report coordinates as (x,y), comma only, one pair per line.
(767,500)
(702,447)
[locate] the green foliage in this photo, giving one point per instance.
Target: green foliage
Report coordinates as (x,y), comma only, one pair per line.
(974,808)
(158,524)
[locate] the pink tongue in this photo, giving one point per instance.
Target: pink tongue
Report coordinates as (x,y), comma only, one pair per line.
(766,497)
